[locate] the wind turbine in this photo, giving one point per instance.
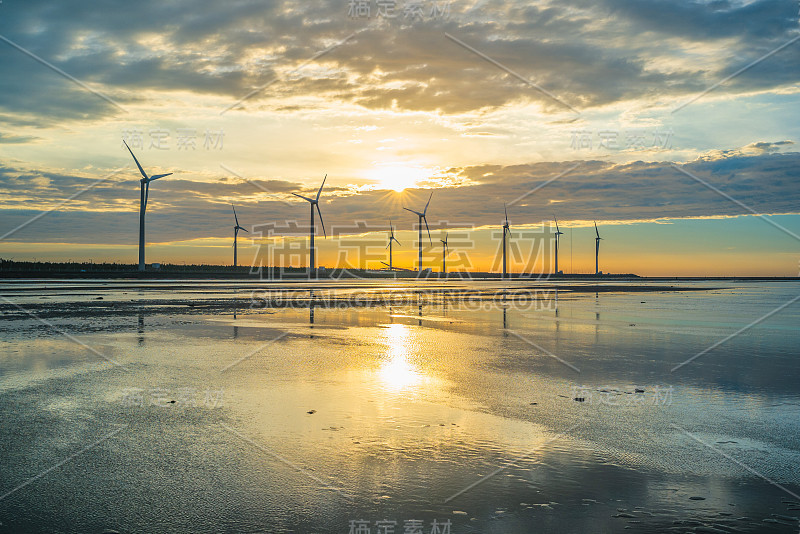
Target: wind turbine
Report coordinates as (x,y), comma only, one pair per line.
(145,187)
(596,249)
(236,234)
(389,246)
(558,233)
(445,249)
(506,230)
(422,217)
(314,202)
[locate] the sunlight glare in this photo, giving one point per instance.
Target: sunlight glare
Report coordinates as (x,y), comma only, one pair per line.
(397,373)
(397,177)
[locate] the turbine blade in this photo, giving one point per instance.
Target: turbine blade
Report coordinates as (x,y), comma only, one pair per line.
(505,209)
(426,227)
(146,193)
(141,170)
(234,215)
(244,230)
(557,230)
(320,187)
(414,212)
(595,229)
(304,198)
(396,241)
(426,205)
(157,176)
(321,222)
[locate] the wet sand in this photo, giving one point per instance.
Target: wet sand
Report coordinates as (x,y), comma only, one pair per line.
(322,411)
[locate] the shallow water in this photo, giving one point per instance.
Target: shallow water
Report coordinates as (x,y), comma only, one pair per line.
(425,408)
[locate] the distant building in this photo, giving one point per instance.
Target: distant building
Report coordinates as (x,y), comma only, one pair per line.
(156,266)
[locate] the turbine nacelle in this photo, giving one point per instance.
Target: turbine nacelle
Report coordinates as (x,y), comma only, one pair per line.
(236,218)
(558,232)
(391,235)
(145,179)
(423,217)
(315,202)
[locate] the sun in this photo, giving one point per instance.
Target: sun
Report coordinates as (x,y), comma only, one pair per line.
(397,177)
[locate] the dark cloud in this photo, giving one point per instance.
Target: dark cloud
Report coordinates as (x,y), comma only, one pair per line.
(702,21)
(182,209)
(11,139)
(587,53)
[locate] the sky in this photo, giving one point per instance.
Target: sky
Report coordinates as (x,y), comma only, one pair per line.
(672,124)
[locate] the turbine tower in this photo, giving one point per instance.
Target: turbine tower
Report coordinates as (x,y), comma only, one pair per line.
(236,234)
(445,249)
(145,191)
(558,233)
(389,246)
(422,217)
(596,249)
(506,230)
(314,203)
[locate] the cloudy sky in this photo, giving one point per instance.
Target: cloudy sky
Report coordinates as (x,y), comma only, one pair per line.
(673,124)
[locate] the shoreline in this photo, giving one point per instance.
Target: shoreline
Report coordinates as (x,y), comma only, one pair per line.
(336,276)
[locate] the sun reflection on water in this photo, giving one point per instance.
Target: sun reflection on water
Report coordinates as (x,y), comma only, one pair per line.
(397,372)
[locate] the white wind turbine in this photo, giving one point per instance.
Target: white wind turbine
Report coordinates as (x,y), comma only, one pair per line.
(445,250)
(145,191)
(596,249)
(314,202)
(558,233)
(236,234)
(422,217)
(506,230)
(389,246)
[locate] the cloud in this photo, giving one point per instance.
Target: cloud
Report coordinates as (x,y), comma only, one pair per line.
(587,54)
(11,139)
(715,19)
(182,209)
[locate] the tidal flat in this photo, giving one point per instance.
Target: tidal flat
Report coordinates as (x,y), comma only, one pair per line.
(336,406)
